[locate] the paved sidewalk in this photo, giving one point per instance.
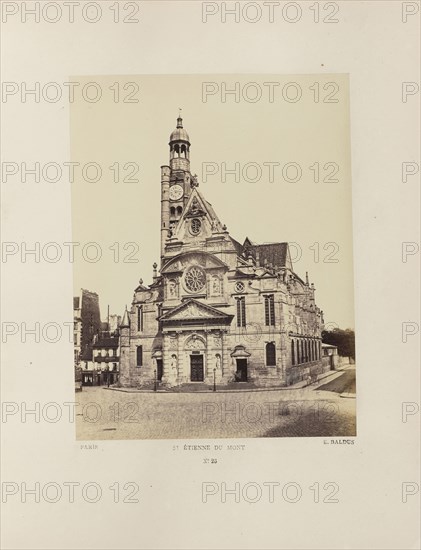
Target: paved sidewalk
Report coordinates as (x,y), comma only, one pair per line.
(331,375)
(345,384)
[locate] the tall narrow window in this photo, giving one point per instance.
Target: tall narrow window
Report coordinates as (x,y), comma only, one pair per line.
(270,355)
(139,356)
(303,359)
(298,352)
(269,310)
(140,318)
(241,311)
(293,352)
(159,316)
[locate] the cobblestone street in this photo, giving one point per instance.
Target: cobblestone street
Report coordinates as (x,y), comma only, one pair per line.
(110,414)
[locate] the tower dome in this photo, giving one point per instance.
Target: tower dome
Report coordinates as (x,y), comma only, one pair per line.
(179,134)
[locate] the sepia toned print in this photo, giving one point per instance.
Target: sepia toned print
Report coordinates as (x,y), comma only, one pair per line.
(228,338)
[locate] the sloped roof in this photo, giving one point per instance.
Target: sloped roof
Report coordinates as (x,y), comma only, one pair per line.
(238,246)
(107,342)
(273,253)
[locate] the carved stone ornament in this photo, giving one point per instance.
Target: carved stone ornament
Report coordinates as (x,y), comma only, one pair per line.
(195,343)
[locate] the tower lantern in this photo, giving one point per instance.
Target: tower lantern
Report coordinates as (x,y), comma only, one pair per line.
(179,147)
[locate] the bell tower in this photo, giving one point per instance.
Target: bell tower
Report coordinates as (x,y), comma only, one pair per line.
(179,148)
(176,182)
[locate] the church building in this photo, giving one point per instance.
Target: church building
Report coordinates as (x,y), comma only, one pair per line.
(217,310)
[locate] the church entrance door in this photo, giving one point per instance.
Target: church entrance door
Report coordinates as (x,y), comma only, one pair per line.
(196,368)
(242,370)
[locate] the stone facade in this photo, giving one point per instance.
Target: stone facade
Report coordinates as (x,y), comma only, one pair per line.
(217,309)
(86,324)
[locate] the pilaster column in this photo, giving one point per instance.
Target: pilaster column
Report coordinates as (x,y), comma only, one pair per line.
(208,358)
(225,355)
(182,371)
(166,375)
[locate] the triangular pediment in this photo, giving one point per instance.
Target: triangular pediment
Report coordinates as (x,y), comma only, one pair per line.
(193,310)
(205,224)
(182,261)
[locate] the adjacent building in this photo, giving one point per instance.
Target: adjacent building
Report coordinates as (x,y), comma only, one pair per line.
(87,323)
(217,309)
(106,357)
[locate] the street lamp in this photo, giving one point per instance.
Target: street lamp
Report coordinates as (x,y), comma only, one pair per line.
(214,379)
(154,380)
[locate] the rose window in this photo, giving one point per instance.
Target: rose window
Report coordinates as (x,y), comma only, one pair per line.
(195,279)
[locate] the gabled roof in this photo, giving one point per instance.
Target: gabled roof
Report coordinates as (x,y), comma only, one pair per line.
(273,253)
(197,206)
(209,260)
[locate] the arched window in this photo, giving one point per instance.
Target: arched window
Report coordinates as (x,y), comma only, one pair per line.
(293,352)
(179,210)
(172,211)
(270,355)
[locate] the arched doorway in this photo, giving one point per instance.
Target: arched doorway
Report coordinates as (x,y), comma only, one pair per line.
(195,349)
